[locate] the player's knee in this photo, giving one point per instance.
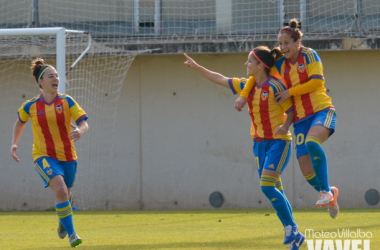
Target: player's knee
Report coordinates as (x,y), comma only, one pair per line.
(61,193)
(312,144)
(268,191)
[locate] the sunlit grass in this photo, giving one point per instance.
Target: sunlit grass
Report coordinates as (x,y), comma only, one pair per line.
(143,230)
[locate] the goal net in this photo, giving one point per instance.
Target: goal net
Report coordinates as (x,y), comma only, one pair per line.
(139,21)
(95,82)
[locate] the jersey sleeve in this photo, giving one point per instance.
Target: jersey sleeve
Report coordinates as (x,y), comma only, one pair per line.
(278,86)
(76,111)
(314,65)
(251,82)
(248,87)
(237,85)
(315,74)
(305,88)
(287,105)
(23,112)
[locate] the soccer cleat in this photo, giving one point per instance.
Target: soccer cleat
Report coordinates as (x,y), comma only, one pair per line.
(333,204)
(75,240)
(297,243)
(61,231)
(324,199)
(291,233)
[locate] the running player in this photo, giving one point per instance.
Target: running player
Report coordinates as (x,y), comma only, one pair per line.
(269,130)
(301,69)
(54,153)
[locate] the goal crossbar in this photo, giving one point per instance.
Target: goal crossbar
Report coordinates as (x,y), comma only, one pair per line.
(60,34)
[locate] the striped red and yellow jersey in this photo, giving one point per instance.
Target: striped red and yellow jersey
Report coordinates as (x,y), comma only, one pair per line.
(51,125)
(265,112)
(307,66)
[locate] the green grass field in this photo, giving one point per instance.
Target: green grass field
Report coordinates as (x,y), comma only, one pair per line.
(143,230)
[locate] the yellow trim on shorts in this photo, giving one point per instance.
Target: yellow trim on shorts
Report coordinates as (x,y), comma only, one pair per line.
(41,172)
(283,157)
(329,117)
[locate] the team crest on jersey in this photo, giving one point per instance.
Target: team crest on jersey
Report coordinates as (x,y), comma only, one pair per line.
(264,95)
(301,68)
(49,171)
(59,109)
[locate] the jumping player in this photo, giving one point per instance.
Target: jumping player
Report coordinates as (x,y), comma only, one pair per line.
(54,135)
(301,69)
(269,130)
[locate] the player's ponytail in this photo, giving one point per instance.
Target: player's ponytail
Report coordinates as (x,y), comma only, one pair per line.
(293,30)
(38,68)
(276,53)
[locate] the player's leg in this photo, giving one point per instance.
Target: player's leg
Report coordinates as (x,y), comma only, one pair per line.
(260,153)
(280,188)
(52,172)
(61,229)
(63,208)
(70,169)
(279,203)
(277,157)
(300,130)
(69,182)
(322,127)
(308,172)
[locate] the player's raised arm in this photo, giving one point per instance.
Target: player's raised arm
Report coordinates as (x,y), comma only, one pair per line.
(210,75)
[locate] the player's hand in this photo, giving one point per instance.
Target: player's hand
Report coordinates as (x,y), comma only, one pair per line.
(190,62)
(281,130)
(240,103)
(75,134)
(282,96)
(13,153)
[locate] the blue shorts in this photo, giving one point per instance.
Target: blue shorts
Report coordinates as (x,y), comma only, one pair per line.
(272,154)
(326,118)
(48,167)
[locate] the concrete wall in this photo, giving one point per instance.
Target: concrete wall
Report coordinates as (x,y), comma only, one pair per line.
(178,139)
(194,143)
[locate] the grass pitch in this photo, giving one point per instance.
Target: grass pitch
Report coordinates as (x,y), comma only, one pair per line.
(144,230)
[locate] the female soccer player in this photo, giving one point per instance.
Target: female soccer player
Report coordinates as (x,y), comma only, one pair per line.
(302,71)
(269,130)
(54,135)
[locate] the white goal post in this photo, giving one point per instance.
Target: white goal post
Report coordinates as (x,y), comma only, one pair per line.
(60,34)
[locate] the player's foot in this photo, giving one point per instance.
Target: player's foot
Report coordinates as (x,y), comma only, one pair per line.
(297,243)
(75,240)
(61,231)
(290,233)
(324,198)
(333,204)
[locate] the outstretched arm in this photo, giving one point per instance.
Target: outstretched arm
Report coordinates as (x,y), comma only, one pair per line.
(210,75)
(18,128)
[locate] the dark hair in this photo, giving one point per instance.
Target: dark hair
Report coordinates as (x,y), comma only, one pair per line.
(267,57)
(293,30)
(37,67)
